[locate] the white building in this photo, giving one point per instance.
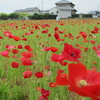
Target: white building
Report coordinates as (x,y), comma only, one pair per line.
(95,13)
(64,9)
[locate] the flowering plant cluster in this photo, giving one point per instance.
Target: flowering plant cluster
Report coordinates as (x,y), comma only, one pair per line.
(49,60)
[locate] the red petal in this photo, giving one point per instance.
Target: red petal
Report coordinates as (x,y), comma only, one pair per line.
(76,70)
(62,80)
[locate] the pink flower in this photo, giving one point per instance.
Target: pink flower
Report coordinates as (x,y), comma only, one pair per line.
(98,53)
(10,47)
(5,53)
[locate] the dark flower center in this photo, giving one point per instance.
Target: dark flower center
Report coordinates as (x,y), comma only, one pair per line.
(72,54)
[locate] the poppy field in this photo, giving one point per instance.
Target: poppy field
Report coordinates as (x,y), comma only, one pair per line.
(50,60)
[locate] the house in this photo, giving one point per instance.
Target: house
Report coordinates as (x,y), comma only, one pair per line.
(95,13)
(30,11)
(64,9)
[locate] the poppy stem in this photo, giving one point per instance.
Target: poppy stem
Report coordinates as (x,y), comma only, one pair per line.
(79,97)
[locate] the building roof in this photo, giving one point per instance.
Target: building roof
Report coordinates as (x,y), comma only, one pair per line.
(64,2)
(18,11)
(26,9)
(94,12)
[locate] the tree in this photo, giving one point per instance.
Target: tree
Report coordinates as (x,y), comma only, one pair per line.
(57,11)
(36,16)
(14,15)
(3,16)
(23,15)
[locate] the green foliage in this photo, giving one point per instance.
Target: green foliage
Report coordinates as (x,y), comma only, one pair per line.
(3,16)
(12,84)
(23,15)
(75,15)
(57,11)
(42,16)
(36,16)
(14,15)
(83,15)
(3,91)
(49,16)
(87,15)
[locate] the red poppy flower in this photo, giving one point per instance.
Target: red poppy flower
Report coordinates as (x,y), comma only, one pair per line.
(93,42)
(24,39)
(49,35)
(27,47)
(46,49)
(27,62)
(52,85)
(16,38)
(10,47)
(43,98)
(86,49)
(19,47)
(47,67)
(39,74)
(82,81)
(56,29)
(27,33)
(95,48)
(38,88)
(57,37)
(15,51)
(60,72)
(58,58)
(27,73)
(45,31)
(99,46)
(83,34)
(27,54)
(70,53)
(1,37)
(61,79)
(8,34)
(15,64)
(53,49)
(45,93)
(94,68)
(63,63)
(61,32)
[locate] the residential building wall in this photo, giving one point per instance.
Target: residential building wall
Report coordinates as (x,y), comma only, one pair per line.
(31,13)
(53,11)
(64,14)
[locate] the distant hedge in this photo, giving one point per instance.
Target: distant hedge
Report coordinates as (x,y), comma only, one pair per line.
(87,15)
(75,15)
(42,16)
(83,15)
(4,16)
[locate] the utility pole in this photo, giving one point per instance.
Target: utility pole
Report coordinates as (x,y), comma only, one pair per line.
(42,6)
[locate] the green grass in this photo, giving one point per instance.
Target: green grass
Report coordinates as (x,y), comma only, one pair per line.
(12,84)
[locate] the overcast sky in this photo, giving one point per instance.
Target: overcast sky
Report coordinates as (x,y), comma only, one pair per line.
(82,6)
